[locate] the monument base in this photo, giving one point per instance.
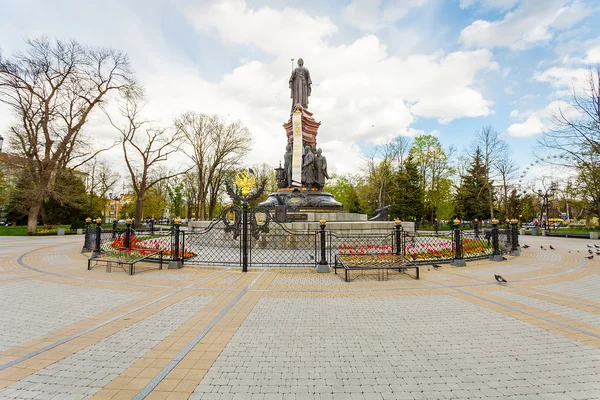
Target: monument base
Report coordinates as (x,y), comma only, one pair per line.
(303,200)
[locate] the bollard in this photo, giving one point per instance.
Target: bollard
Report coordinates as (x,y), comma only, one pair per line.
(398,235)
(323,264)
(97,252)
(496,256)
(515,251)
(176,261)
(87,246)
(458,256)
(127,242)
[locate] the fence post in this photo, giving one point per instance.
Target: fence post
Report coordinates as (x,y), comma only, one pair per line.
(245,235)
(323,264)
(176,261)
(496,256)
(97,251)
(515,238)
(398,233)
(458,255)
(87,246)
(476,228)
(127,241)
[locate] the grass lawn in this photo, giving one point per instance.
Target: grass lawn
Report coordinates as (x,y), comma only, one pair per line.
(22,230)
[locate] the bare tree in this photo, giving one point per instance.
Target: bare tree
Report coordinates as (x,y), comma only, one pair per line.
(493,150)
(507,172)
(575,135)
(52,89)
(216,148)
(145,148)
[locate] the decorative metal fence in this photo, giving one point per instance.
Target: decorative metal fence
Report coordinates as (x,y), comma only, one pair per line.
(242,238)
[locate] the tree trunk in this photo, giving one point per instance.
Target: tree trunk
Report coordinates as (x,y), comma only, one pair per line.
(32,218)
(138,209)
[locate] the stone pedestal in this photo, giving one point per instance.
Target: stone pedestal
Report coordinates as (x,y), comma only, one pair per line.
(175,264)
(594,235)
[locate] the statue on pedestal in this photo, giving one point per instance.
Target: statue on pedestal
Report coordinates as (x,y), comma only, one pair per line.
(287,165)
(320,169)
(308,168)
(300,85)
(302,177)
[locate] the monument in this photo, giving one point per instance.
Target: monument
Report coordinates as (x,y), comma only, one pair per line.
(302,178)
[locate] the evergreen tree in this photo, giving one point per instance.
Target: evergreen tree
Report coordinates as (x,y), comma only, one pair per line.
(471,196)
(407,193)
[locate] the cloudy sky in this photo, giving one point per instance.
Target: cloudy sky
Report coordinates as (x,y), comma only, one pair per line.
(379,68)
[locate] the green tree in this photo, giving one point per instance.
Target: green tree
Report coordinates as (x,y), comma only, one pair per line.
(433,165)
(175,192)
(343,190)
(407,193)
(68,203)
(471,196)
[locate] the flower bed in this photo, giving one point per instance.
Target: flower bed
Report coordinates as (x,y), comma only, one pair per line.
(157,243)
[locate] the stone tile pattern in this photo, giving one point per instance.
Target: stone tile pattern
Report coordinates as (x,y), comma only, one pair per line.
(33,308)
(333,279)
(504,270)
(584,288)
(409,347)
(166,275)
(573,313)
(230,280)
(84,373)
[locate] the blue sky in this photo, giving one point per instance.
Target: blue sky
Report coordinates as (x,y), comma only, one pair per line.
(381,68)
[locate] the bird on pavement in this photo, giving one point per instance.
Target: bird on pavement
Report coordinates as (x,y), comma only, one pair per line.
(436,266)
(525,246)
(590,251)
(551,248)
(589,245)
(542,247)
(500,279)
(590,257)
(504,258)
(596,246)
(598,253)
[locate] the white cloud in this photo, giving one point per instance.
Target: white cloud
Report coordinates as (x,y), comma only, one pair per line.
(537,121)
(532,22)
(372,15)
(562,78)
(489,4)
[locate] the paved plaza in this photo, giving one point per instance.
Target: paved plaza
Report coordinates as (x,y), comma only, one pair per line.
(216,333)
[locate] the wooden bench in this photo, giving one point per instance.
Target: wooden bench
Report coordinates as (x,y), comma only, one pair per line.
(124,258)
(380,262)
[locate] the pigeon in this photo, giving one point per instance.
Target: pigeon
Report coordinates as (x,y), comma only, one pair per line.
(589,245)
(542,247)
(504,258)
(436,266)
(596,246)
(525,246)
(590,257)
(590,251)
(500,279)
(598,253)
(552,248)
